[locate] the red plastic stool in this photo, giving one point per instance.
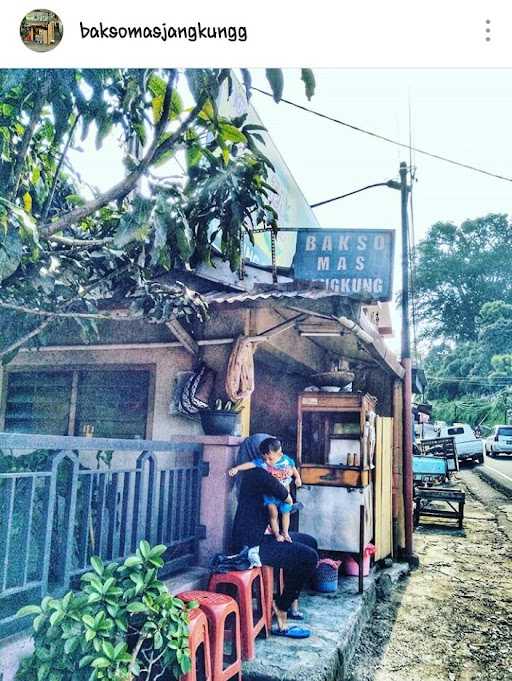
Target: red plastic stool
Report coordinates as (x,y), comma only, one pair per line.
(224,630)
(199,646)
(246,587)
(270,588)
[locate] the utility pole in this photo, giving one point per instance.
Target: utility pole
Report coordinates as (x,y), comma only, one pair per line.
(407,441)
(407,365)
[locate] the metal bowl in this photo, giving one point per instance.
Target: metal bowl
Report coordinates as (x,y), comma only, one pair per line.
(340,379)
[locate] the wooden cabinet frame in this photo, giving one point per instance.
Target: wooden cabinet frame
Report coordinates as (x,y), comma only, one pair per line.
(337,475)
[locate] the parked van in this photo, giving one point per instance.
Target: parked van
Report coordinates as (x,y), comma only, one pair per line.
(500,441)
(468,446)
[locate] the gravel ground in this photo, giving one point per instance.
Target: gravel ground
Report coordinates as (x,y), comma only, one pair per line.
(451,619)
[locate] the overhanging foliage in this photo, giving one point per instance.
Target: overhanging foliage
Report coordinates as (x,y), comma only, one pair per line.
(65,246)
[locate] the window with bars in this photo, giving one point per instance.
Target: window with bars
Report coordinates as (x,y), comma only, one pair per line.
(101,403)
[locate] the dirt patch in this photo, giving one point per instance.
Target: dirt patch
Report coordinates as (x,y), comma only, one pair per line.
(451,619)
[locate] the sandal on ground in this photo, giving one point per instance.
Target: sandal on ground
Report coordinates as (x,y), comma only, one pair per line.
(291,632)
(295,614)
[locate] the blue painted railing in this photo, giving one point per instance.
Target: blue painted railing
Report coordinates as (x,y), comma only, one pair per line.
(65,499)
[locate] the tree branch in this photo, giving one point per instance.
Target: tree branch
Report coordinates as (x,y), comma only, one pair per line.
(116,193)
(136,651)
(70,315)
(70,241)
(167,144)
(24,339)
(105,278)
(166,105)
(50,317)
(125,186)
(34,119)
(49,199)
(151,663)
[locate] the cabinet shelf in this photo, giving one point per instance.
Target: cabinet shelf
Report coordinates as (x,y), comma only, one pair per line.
(345,436)
(337,466)
(335,476)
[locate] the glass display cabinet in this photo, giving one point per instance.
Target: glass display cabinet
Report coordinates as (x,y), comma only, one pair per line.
(336,438)
(335,450)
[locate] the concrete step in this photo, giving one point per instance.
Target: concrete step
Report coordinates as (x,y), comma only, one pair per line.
(336,622)
(195,578)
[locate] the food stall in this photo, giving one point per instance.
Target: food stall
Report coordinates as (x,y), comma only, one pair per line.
(336,434)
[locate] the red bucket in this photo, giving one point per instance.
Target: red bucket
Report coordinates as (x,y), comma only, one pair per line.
(351,566)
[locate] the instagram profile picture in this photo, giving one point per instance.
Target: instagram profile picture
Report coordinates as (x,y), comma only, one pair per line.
(41,30)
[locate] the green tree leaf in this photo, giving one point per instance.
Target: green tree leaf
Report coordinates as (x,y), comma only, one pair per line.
(309,81)
(29,610)
(100,663)
(232,134)
(275,79)
(11,251)
(97,564)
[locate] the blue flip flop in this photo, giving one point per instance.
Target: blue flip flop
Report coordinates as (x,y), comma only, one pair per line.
(291,632)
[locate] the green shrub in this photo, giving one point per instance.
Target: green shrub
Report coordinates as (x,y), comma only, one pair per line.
(121,625)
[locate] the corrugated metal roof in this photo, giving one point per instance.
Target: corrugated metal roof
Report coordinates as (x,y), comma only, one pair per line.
(217,297)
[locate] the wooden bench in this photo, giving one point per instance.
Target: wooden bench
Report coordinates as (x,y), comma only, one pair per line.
(453,499)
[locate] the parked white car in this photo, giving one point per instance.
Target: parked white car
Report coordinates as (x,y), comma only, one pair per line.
(468,446)
(500,441)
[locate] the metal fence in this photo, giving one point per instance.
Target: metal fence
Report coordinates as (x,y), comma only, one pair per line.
(65,499)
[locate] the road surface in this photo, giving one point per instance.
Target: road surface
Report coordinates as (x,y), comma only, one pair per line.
(500,469)
(450,620)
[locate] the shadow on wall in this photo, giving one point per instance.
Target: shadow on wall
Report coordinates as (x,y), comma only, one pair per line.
(274,403)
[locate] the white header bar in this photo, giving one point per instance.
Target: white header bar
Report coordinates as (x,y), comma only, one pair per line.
(366,33)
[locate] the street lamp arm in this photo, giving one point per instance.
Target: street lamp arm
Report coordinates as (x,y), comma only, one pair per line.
(390,183)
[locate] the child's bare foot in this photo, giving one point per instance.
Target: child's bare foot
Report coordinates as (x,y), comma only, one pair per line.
(287,537)
(279,537)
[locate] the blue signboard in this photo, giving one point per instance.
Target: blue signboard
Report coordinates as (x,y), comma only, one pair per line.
(357,263)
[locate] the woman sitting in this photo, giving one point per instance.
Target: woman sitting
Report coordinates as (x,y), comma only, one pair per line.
(298,558)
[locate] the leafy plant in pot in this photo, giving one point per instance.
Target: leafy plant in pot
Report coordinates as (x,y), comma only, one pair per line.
(122,625)
(223,419)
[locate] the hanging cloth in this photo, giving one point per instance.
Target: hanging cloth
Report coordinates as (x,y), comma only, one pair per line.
(240,372)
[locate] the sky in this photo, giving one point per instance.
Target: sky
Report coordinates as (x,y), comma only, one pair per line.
(462,114)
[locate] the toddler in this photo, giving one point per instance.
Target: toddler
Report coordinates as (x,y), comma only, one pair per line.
(283,469)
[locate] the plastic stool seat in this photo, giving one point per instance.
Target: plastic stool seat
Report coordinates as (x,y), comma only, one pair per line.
(198,635)
(246,587)
(223,618)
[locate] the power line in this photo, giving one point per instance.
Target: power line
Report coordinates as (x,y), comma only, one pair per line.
(474,377)
(343,196)
(438,157)
(490,382)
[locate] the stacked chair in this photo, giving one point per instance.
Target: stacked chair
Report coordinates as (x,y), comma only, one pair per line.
(236,609)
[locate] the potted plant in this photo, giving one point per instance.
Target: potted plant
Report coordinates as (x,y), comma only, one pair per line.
(121,625)
(223,419)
